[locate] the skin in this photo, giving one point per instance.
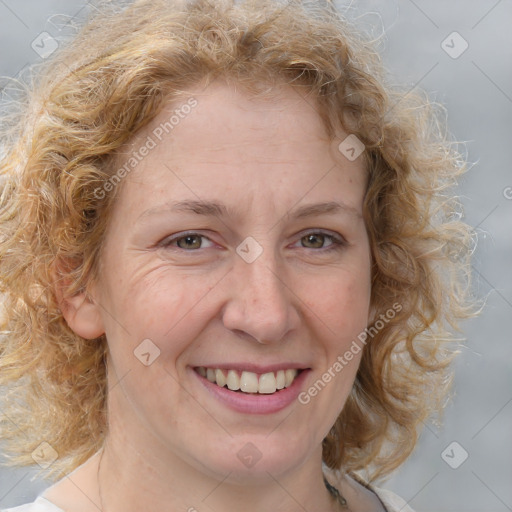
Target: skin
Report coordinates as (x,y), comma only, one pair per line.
(171,445)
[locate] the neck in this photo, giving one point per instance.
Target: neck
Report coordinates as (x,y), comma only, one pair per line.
(150,484)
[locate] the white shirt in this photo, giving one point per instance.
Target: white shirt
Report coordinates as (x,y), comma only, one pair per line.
(392,502)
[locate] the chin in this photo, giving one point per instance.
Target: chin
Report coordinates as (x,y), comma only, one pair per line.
(252,459)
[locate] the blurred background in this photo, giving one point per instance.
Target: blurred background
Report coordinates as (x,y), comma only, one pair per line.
(460,52)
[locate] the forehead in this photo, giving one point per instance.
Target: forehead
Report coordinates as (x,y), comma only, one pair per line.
(229,111)
(222,140)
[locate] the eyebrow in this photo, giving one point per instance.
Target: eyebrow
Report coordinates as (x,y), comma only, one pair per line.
(215,209)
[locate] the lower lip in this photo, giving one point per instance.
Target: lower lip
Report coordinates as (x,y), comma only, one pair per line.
(255,403)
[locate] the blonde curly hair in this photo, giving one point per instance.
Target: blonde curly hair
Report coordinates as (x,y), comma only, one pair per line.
(91,97)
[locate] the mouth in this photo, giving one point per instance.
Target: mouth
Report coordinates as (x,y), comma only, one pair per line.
(243,381)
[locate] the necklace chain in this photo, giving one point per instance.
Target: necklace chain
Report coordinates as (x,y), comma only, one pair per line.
(335,494)
(332,490)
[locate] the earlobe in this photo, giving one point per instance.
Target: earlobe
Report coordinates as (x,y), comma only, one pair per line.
(81,312)
(83,316)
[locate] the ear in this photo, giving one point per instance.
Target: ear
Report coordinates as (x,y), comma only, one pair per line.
(81,312)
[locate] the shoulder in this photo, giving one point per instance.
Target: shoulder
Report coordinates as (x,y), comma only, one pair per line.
(39,505)
(391,501)
(368,496)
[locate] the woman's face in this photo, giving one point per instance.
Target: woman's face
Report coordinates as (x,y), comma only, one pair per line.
(237,249)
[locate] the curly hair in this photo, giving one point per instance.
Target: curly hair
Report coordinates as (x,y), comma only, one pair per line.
(116,74)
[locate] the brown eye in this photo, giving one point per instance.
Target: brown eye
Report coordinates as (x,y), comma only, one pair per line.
(189,242)
(314,240)
(322,242)
(186,242)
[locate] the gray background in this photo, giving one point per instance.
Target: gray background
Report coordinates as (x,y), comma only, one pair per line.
(476,88)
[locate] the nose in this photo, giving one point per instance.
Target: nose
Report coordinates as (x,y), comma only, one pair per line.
(261,304)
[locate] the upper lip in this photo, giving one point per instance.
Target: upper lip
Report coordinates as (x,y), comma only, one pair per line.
(254,368)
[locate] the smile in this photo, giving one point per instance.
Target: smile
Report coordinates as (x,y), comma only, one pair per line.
(249,382)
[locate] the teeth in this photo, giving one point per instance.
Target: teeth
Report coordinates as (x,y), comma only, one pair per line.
(280,379)
(289,376)
(249,382)
(268,383)
(220,378)
(233,380)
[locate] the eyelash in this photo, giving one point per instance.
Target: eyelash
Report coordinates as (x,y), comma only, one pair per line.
(337,241)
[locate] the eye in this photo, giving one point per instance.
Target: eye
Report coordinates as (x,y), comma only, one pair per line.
(187,241)
(195,241)
(320,240)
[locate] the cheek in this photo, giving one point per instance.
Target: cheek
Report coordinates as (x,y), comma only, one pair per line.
(160,314)
(162,306)
(340,303)
(165,305)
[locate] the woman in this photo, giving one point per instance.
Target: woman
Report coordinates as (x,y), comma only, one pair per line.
(228,263)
